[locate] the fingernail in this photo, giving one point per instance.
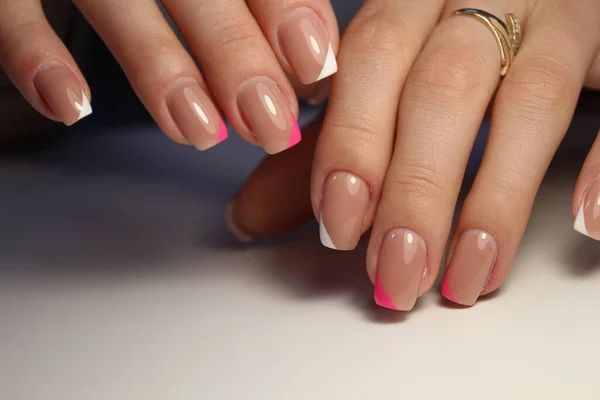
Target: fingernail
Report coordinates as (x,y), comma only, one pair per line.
(263,107)
(62,92)
(345,201)
(305,43)
(234,226)
(402,262)
(587,221)
(195,115)
(470,267)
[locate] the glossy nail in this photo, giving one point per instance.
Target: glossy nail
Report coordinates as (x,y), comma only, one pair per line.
(306,45)
(62,92)
(402,263)
(264,109)
(345,201)
(470,267)
(195,115)
(587,221)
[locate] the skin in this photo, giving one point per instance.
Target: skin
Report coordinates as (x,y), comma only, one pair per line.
(402,60)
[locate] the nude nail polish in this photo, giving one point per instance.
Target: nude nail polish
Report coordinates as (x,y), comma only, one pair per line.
(470,267)
(194,113)
(402,262)
(62,92)
(264,109)
(305,43)
(587,221)
(343,209)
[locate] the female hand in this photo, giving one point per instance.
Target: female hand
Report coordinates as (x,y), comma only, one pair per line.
(413,87)
(244,48)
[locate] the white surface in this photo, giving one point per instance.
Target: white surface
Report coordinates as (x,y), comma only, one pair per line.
(118,281)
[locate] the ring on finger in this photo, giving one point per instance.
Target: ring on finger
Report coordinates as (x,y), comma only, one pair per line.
(507,35)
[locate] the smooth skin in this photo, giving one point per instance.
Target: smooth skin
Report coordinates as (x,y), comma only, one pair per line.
(413,88)
(240,53)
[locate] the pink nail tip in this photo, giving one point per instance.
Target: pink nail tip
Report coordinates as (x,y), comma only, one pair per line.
(446,291)
(382,299)
(296,135)
(222,131)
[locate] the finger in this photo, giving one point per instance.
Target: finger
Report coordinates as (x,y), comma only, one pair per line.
(586,198)
(39,64)
(303,34)
(532,111)
(356,142)
(241,70)
(160,70)
(441,109)
(275,198)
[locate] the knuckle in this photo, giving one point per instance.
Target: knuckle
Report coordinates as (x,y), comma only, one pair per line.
(378,32)
(235,35)
(360,131)
(542,86)
(454,73)
(420,181)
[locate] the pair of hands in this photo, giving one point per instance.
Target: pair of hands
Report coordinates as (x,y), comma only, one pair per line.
(412,90)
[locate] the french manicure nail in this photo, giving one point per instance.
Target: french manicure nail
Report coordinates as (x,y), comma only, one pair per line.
(587,221)
(263,107)
(470,267)
(62,92)
(195,115)
(306,45)
(402,261)
(345,201)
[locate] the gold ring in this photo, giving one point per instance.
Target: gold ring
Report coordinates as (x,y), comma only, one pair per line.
(507,35)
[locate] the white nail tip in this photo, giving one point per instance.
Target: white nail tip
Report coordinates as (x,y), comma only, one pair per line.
(330,67)
(579,224)
(325,238)
(85,108)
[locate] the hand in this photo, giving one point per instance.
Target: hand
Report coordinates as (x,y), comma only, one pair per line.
(412,90)
(245,50)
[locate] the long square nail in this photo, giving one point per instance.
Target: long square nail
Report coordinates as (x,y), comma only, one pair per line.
(402,262)
(470,267)
(306,45)
(62,92)
(264,108)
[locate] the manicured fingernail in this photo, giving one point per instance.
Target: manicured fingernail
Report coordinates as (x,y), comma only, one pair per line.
(263,106)
(402,262)
(587,221)
(345,201)
(305,44)
(62,92)
(234,226)
(195,115)
(470,267)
